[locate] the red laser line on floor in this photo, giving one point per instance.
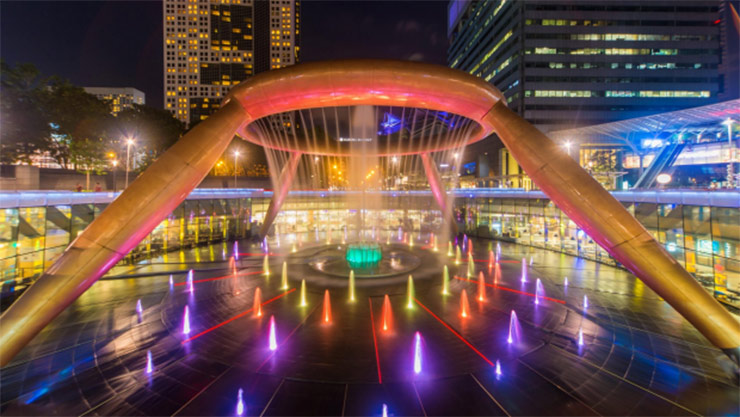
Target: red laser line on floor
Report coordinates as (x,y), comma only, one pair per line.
(217,278)
(375,341)
(511,290)
(242,314)
(459,336)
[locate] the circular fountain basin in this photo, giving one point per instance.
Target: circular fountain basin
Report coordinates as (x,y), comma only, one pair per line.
(394,260)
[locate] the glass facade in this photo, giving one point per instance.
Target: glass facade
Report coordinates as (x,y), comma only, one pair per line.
(702,234)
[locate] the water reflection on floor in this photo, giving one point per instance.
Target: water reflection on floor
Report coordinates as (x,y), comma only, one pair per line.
(637,357)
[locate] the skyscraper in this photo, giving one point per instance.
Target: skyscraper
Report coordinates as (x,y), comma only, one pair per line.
(565,63)
(210,46)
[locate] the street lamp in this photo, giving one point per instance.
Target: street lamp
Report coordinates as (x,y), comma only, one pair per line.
(730,167)
(236,155)
(129,142)
(567,146)
(115,174)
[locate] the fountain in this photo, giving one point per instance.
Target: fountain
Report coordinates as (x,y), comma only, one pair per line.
(491,260)
(565,282)
(445,280)
(434,243)
(363,255)
(498,369)
(327,307)
(149,364)
(496,273)
(273,337)
(385,411)
(531,260)
(580,336)
(266,265)
(190,281)
(498,249)
(257,306)
(458,255)
(236,250)
(303,293)
(411,240)
(514,330)
(387,313)
(172,283)
(471,266)
(352,286)
(539,292)
(470,247)
(139,309)
(449,250)
(240,403)
(524,270)
(585,302)
(284,277)
(417,353)
(410,293)
(464,305)
(186,321)
(481,287)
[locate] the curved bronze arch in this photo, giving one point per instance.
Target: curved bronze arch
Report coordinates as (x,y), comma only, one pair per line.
(167,182)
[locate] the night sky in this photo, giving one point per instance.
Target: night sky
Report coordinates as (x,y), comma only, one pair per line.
(119,43)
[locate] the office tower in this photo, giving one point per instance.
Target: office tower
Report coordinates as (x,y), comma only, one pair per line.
(563,64)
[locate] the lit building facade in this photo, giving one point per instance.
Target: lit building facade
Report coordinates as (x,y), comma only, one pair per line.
(563,64)
(210,46)
(120,98)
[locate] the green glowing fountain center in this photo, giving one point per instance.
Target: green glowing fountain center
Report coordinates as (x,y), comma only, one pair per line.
(363,255)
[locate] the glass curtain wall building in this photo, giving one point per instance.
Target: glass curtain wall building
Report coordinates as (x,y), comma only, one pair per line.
(575,63)
(701,230)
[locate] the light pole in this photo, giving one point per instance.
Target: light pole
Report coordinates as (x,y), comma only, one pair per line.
(236,155)
(115,171)
(129,142)
(730,163)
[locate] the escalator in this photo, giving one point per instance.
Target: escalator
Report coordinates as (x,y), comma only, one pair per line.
(663,160)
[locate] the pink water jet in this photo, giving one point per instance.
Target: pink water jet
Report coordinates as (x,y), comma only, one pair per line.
(417,353)
(273,336)
(186,321)
(190,281)
(514,332)
(149,364)
(240,403)
(524,270)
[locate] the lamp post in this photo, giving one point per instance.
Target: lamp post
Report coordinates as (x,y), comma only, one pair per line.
(236,155)
(115,172)
(730,163)
(129,142)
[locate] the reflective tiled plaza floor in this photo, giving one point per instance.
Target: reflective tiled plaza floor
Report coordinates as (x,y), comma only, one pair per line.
(638,356)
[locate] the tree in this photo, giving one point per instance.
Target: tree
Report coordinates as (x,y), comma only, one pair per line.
(79,124)
(25,125)
(154,130)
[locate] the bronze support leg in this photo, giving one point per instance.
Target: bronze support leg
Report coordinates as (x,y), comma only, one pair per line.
(604,218)
(438,191)
(286,179)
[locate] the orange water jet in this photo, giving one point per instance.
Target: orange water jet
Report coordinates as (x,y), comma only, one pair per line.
(464,305)
(257,302)
(387,313)
(481,287)
(327,307)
